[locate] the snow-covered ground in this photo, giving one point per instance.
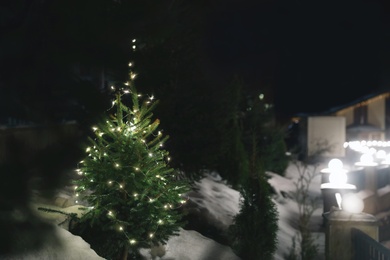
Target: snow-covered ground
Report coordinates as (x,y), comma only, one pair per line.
(218,204)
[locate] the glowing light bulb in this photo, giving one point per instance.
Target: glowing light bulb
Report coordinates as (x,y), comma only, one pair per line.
(380,154)
(335,164)
(352,203)
(338,177)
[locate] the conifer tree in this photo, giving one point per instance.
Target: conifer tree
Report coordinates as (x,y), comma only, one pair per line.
(131,192)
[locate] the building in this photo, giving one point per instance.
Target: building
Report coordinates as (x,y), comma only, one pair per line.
(367,118)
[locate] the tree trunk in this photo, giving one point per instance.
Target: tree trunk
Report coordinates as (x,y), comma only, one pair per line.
(125,251)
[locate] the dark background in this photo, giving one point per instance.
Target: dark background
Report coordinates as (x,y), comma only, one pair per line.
(313,54)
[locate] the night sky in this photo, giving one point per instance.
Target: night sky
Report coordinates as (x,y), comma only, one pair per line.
(314,54)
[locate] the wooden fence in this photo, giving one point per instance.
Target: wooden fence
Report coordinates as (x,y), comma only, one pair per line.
(366,248)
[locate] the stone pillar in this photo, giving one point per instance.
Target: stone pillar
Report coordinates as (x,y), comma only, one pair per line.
(338,241)
(370,178)
(371,184)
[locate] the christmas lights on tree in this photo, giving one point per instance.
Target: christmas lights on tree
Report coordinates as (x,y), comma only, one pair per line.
(132,193)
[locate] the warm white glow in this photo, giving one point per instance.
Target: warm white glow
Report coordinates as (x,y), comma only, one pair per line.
(338,177)
(335,165)
(352,203)
(380,154)
(366,158)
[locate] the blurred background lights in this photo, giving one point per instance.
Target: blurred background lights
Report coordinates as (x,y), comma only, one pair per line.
(366,158)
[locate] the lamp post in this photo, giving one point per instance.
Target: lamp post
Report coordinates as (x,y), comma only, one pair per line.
(370,177)
(336,185)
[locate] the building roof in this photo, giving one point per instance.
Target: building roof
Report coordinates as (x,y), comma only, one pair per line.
(335,109)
